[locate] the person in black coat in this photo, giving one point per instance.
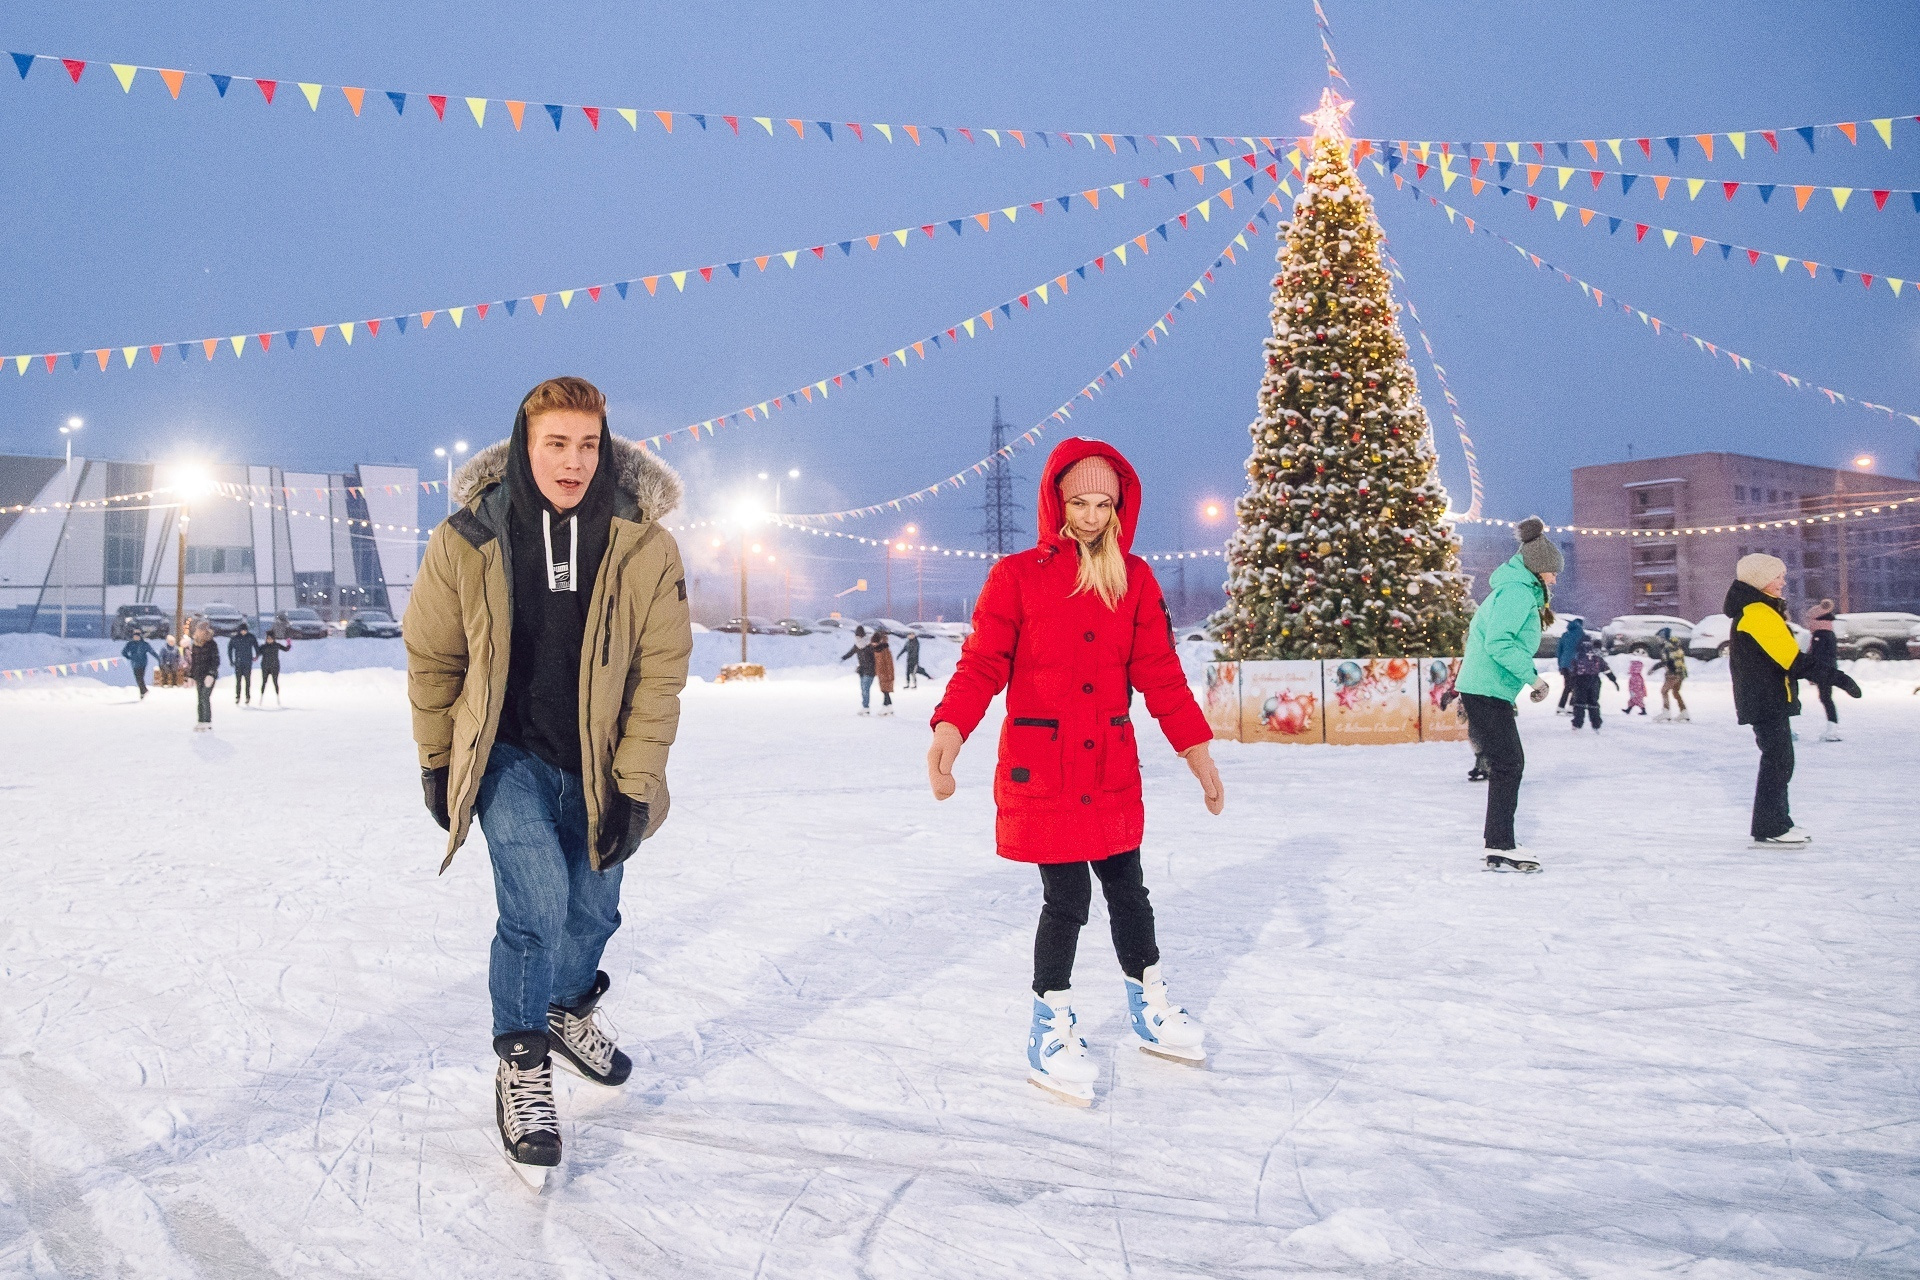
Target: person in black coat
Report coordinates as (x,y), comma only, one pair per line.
(910,661)
(138,653)
(241,650)
(863,662)
(1825,661)
(270,650)
(1767,667)
(203,671)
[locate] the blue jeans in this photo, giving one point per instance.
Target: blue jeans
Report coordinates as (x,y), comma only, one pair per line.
(556,911)
(866,691)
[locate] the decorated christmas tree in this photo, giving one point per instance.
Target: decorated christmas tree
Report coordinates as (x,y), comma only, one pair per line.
(1340,549)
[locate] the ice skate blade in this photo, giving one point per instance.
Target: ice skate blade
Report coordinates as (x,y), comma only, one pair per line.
(1061,1091)
(1186,1057)
(1501,863)
(534,1175)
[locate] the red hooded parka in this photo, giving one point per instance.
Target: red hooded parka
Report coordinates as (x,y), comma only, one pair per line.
(1067,784)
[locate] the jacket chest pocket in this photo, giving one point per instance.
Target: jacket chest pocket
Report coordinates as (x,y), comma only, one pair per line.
(1120,763)
(1030,761)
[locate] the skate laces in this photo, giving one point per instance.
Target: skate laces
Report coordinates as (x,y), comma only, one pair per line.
(529,1097)
(589,1038)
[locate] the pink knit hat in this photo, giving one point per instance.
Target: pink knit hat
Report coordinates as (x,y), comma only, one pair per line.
(1090,475)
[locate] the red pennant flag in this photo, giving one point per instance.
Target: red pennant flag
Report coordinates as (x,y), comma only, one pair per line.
(53,360)
(706,273)
(1597,175)
(1772,139)
(1420,170)
(1639,232)
(1533,201)
(928,229)
(155,353)
(1473,166)
(373,328)
(1730,188)
(593,291)
(439,103)
(1880,199)
(857,135)
(593,116)
(1753,257)
(481,309)
(74,67)
(266,89)
(1646,146)
(820,251)
(266,341)
(1866,279)
(1540,149)
(733,123)
(1099,262)
(967,134)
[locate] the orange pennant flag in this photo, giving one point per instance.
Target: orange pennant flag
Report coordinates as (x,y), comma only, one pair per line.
(1813,269)
(666,120)
(1533,171)
(1706,143)
(983,219)
(1802,194)
(799,129)
(873,242)
(319,333)
(209,344)
(173,80)
(1660,181)
(426,317)
(1848,129)
(1586,216)
(539,304)
(1226,194)
(1091,197)
(1696,241)
(653,282)
(102,354)
(518,110)
(913,131)
(354,97)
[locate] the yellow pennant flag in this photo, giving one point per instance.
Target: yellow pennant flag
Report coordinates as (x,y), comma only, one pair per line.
(1613,145)
(456,313)
(1041,290)
(964,324)
(1739,141)
(20,364)
(1161,325)
(1451,212)
(1895,282)
(900,356)
(1012,213)
(1119,189)
(821,387)
(1120,252)
(790,255)
(239,342)
(1840,195)
(1694,185)
(1670,235)
(680,277)
(994,134)
(1225,167)
(566,299)
(765,122)
(1513,151)
(901,236)
(125,75)
(479,108)
(129,353)
(886,131)
(1200,288)
(1447,176)
(1241,240)
(1206,213)
(1885,129)
(346,331)
(1559,209)
(631,116)
(1780,261)
(1564,173)
(313,95)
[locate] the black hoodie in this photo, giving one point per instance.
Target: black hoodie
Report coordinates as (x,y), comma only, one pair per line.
(1765,685)
(551,549)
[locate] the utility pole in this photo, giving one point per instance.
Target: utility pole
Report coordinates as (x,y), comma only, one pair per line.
(1002,528)
(180,582)
(744,628)
(66,520)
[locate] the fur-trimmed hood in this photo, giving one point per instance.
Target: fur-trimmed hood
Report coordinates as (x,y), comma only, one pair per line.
(651,483)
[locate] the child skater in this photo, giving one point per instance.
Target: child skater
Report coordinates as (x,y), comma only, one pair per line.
(1588,666)
(1636,688)
(1673,656)
(1824,656)
(1070,629)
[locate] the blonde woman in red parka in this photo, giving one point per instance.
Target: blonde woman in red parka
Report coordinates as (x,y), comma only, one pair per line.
(1071,630)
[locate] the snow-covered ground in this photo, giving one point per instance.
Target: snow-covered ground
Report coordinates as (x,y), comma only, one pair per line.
(244,1025)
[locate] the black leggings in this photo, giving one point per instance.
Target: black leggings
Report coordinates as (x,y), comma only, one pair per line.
(1497,734)
(243,682)
(267,674)
(1069,892)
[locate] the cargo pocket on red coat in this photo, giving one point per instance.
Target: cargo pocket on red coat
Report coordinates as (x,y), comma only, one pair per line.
(1030,764)
(1120,764)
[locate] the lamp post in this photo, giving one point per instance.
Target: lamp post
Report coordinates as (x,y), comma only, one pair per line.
(459,446)
(67,432)
(189,484)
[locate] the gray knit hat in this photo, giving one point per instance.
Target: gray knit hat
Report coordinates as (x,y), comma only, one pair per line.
(1536,552)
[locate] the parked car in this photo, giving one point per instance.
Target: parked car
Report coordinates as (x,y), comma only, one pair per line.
(753,624)
(1640,632)
(1713,635)
(372,623)
(792,627)
(1550,636)
(1874,636)
(833,623)
(954,631)
(223,618)
(894,626)
(302,624)
(147,619)
(1198,632)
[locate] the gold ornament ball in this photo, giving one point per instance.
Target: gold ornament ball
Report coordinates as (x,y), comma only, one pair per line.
(1325,548)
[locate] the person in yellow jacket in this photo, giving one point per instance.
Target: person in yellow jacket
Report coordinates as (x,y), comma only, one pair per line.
(547,644)
(1766,664)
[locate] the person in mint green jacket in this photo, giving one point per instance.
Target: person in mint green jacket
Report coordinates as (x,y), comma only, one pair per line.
(1501,645)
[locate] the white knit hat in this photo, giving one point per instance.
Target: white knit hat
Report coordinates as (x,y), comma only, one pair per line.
(1760,570)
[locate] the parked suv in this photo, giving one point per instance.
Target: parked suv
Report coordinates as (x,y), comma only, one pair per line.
(302,624)
(147,619)
(1713,636)
(1640,632)
(373,623)
(1874,636)
(223,618)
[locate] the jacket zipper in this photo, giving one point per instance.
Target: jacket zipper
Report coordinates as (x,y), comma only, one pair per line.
(606,634)
(1034,722)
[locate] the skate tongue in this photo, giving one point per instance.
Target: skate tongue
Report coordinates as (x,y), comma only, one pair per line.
(526,1050)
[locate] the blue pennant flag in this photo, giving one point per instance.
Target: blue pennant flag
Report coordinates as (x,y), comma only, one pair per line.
(1006,309)
(1162,229)
(825,128)
(731,266)
(183,349)
(1766,192)
(942,132)
(24,61)
(1064,202)
(220,83)
(1673,144)
(846,251)
(1726,252)
(1044,141)
(399,101)
(1505,165)
(293,338)
(701,119)
(510,304)
(1916,201)
(1505,191)
(955,224)
(1613,225)
(1626,182)
(1806,135)
(1172,180)
(400,322)
(1839,273)
(621,285)
(1081,270)
(1563,151)
(853,375)
(935,339)
(869,371)
(556,113)
(76,359)
(1215,144)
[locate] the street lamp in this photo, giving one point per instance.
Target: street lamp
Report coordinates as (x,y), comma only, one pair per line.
(747,514)
(188,484)
(459,446)
(1864,462)
(67,433)
(893,545)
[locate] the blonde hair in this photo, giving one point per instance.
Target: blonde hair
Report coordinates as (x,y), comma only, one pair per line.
(1103,566)
(565,393)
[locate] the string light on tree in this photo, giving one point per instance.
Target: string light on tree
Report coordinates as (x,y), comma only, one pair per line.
(1339,549)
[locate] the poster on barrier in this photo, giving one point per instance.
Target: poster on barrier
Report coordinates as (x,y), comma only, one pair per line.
(1223,700)
(1281,702)
(1436,682)
(1372,701)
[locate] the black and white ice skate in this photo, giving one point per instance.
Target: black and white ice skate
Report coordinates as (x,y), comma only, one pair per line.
(523,1107)
(583,1044)
(1501,862)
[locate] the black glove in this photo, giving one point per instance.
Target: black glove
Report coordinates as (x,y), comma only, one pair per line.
(622,827)
(433,782)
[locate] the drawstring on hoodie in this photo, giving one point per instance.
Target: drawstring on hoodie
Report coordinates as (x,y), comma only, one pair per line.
(561,577)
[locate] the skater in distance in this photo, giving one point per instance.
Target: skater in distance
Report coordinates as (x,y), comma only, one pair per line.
(1501,642)
(1070,629)
(547,644)
(1826,674)
(1767,667)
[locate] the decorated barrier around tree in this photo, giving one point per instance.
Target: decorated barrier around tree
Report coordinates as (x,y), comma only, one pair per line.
(1338,701)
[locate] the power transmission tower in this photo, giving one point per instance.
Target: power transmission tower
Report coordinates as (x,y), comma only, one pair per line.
(1002,530)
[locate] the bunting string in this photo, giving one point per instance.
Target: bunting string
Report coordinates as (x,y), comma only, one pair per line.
(970,328)
(354,98)
(1670,237)
(1659,326)
(1440,376)
(1326,43)
(1661,183)
(1866,509)
(129,355)
(32,509)
(62,668)
(1708,144)
(1114,371)
(928,548)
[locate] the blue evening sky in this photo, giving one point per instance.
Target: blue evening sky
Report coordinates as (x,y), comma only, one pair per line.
(136,218)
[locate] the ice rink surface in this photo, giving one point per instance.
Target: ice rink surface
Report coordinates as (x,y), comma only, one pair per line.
(244,1025)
